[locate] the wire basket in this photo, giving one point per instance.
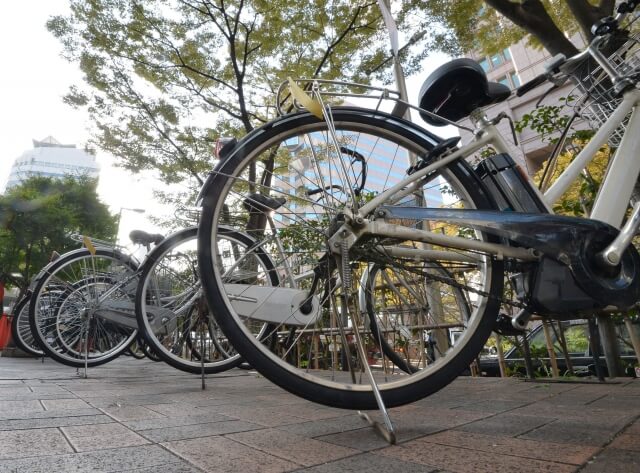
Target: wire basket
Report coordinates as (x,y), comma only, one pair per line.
(597,95)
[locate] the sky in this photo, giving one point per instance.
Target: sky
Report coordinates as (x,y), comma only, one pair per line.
(34,78)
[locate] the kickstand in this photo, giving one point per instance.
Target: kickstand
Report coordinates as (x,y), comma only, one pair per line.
(202,359)
(386,431)
(86,349)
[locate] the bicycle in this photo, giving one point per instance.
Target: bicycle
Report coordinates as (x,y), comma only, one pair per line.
(78,310)
(171,312)
(483,223)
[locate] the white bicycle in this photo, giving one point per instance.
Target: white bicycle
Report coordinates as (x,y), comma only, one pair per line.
(423,254)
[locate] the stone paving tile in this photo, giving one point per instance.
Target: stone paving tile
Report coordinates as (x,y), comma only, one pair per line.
(42,414)
(102,461)
(478,409)
(302,451)
(12,389)
(176,410)
(629,404)
(567,410)
(101,436)
(325,426)
(510,425)
(634,428)
(164,422)
(62,421)
(127,413)
(497,445)
(573,431)
(223,455)
(10,408)
(614,460)
(363,439)
(373,463)
(179,467)
(32,442)
(267,417)
(309,411)
(197,430)
(30,396)
(65,404)
(626,442)
(461,460)
(493,406)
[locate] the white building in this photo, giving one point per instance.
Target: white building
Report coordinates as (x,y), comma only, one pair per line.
(514,66)
(53,159)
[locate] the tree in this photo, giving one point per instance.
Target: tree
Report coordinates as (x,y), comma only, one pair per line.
(164,78)
(493,25)
(37,217)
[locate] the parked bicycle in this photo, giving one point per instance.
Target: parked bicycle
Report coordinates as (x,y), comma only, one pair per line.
(442,236)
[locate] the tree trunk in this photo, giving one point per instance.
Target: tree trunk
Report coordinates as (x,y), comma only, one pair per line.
(531,16)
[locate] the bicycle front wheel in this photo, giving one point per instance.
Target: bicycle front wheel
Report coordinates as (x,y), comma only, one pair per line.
(292,185)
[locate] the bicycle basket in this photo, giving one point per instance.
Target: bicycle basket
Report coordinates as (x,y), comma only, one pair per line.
(597,97)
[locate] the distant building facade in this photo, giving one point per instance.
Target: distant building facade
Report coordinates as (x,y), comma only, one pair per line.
(514,66)
(52,159)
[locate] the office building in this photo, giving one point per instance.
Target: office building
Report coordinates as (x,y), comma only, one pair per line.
(53,159)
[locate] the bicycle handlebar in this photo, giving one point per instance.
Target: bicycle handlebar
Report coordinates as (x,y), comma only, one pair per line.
(600,29)
(532,84)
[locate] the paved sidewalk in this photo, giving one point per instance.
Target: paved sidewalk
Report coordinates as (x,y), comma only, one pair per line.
(142,416)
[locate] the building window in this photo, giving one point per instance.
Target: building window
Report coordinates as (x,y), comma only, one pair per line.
(484,64)
(504,81)
(515,80)
(506,54)
(497,60)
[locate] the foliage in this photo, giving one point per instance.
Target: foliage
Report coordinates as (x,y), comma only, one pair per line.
(37,216)
(549,121)
(492,25)
(165,78)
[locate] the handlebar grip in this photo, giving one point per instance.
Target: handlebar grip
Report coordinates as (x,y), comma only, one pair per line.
(532,84)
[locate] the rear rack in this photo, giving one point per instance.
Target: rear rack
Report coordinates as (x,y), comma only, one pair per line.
(334,89)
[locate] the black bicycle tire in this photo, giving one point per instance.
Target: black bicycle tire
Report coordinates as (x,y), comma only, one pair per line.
(280,375)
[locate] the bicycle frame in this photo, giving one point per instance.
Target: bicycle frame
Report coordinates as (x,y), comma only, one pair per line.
(610,205)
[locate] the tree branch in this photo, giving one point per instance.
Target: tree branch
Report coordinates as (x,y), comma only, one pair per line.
(531,16)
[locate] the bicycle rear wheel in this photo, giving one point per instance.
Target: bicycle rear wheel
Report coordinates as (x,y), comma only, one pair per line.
(82,308)
(307,177)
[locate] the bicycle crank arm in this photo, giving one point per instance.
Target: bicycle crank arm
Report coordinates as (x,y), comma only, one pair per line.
(272,304)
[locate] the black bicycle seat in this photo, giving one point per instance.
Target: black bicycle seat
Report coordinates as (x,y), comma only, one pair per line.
(140,237)
(456,89)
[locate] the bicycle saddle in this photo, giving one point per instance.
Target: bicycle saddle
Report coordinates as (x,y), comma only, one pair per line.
(456,89)
(140,237)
